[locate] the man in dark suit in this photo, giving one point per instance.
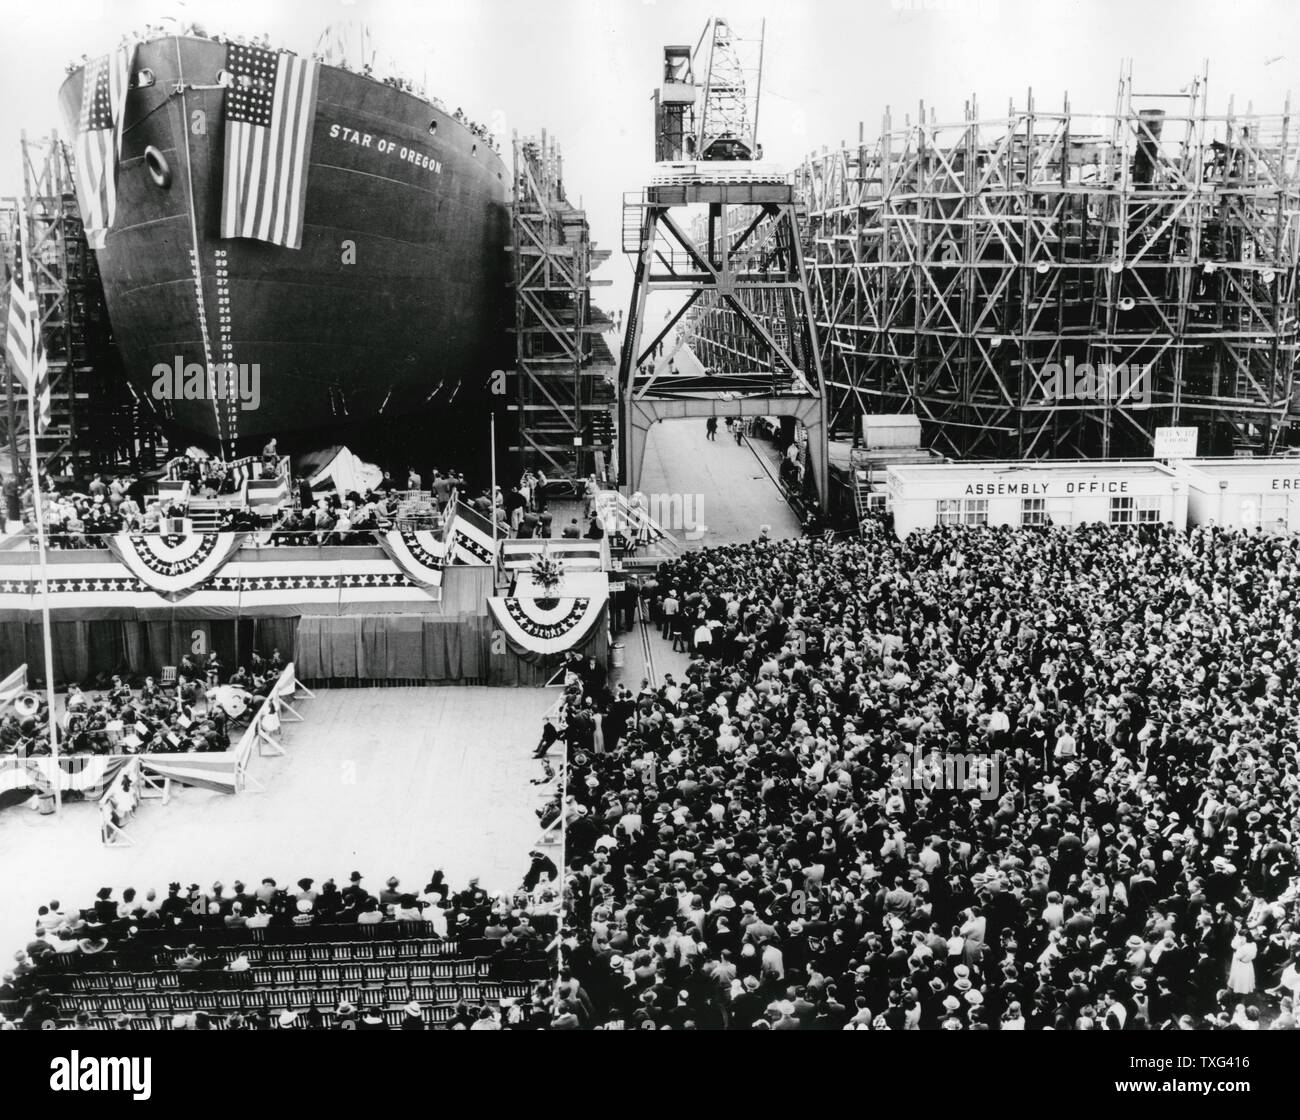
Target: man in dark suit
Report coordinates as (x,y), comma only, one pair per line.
(549,735)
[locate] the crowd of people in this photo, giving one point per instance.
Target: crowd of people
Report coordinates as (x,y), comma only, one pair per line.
(80,513)
(980,779)
(512,921)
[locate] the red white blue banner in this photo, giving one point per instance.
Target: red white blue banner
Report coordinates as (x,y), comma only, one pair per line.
(546,625)
(174,566)
(421,554)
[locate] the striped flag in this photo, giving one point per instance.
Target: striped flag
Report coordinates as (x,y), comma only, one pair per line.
(99,140)
(24,346)
(270,110)
(14,685)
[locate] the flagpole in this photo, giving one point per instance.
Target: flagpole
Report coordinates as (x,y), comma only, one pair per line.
(493,441)
(45,593)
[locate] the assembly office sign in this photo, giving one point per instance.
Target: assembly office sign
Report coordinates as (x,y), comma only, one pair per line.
(1175,443)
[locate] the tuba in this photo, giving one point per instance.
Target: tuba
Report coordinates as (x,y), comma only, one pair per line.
(27,705)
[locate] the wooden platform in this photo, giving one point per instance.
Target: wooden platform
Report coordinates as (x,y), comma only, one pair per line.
(385,781)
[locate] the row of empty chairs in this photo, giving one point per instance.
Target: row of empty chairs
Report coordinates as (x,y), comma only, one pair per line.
(393,1017)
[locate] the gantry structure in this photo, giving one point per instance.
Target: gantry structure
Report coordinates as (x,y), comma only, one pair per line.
(717,229)
(564,370)
(955,266)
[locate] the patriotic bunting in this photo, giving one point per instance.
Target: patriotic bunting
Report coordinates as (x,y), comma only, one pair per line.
(421,554)
(471,537)
(174,566)
(540,626)
(576,556)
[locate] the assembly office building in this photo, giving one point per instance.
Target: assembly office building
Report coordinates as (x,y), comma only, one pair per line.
(1248,493)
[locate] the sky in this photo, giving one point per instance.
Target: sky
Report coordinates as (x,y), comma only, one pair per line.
(584,69)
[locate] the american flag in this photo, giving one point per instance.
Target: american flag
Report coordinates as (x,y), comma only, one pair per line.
(270,110)
(23,344)
(99,140)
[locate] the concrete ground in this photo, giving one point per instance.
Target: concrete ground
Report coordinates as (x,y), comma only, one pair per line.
(730,488)
(385,781)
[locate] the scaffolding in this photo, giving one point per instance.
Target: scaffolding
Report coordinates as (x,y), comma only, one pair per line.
(94,420)
(564,370)
(1050,283)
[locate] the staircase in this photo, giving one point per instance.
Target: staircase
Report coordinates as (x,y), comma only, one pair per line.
(651,544)
(205,514)
(861,493)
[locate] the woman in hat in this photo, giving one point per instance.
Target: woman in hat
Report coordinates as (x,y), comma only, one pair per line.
(412,1017)
(1241,974)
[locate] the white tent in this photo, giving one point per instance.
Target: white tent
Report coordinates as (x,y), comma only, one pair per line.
(344,471)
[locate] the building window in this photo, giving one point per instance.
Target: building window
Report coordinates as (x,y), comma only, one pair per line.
(1274,510)
(1033,511)
(948,511)
(954,511)
(1121,511)
(1148,509)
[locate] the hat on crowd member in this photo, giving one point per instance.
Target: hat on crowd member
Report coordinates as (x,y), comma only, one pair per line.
(288,1018)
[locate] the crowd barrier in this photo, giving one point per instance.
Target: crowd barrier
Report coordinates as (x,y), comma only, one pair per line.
(132,785)
(262,734)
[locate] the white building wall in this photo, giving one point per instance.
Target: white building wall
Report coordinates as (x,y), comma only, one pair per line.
(1259,492)
(1069,495)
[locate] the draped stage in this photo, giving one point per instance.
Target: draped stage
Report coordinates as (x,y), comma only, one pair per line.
(415,608)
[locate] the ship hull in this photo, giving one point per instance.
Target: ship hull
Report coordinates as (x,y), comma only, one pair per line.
(394,305)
